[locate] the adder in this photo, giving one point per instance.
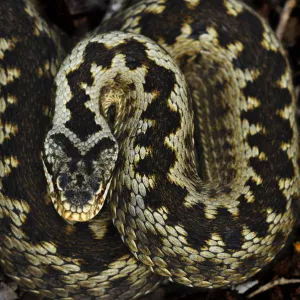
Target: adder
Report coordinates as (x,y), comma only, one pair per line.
(175,119)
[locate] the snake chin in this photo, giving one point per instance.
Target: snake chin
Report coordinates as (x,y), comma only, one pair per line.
(82,213)
(75,197)
(79,212)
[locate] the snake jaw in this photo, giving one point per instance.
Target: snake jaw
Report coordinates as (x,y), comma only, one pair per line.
(80,213)
(76,210)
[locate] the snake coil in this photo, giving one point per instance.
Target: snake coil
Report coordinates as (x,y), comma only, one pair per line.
(175,119)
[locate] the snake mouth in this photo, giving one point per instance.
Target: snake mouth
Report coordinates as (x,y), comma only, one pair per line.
(77,212)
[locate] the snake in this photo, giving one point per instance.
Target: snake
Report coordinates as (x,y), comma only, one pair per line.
(164,145)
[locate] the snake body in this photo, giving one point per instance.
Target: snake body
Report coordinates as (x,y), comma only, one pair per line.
(191,142)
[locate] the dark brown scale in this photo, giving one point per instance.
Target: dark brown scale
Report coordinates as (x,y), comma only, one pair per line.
(76,249)
(252,215)
(49,249)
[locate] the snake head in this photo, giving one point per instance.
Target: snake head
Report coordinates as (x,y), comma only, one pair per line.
(78,180)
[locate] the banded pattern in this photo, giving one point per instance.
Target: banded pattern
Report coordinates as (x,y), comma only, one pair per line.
(41,252)
(193,141)
(216,216)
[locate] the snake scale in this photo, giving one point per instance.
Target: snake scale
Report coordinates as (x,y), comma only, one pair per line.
(175,119)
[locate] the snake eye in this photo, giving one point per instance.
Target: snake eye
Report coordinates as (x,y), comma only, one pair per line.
(62,181)
(111,114)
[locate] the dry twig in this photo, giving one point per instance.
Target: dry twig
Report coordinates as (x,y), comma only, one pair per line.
(284,17)
(270,285)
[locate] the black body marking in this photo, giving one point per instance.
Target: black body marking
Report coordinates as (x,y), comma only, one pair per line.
(82,121)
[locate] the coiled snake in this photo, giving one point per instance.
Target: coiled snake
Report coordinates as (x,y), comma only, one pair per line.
(201,190)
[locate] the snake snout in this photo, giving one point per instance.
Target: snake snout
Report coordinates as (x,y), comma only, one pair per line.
(79,206)
(79,197)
